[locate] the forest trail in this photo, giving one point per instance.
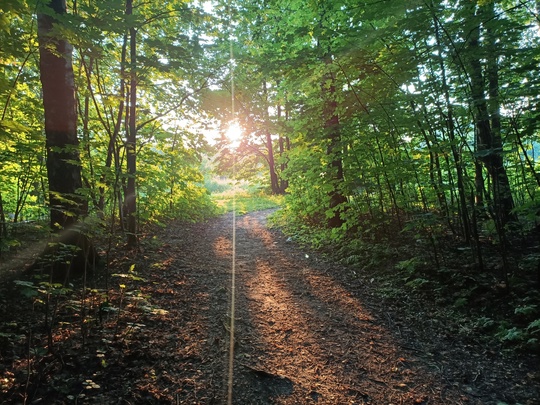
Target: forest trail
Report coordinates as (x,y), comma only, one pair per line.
(310,338)
(307,332)
(305,335)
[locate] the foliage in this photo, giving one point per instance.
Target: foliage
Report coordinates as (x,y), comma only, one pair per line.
(169,154)
(436,107)
(404,135)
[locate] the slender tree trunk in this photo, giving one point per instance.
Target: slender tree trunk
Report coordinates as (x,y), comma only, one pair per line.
(462,206)
(23,183)
(3,225)
(131,139)
(285,146)
(334,147)
(271,164)
(489,140)
(283,166)
(62,144)
(112,150)
(389,184)
(435,172)
(274,183)
(90,183)
(173,179)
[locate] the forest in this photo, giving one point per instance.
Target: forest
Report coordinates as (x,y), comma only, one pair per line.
(367,168)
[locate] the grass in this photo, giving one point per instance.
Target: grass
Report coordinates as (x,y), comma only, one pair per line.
(246,201)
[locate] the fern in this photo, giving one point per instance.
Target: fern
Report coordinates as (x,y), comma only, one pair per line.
(534,326)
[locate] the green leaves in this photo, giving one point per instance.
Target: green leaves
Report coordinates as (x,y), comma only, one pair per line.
(534,327)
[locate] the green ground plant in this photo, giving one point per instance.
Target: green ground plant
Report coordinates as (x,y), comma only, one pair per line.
(245,199)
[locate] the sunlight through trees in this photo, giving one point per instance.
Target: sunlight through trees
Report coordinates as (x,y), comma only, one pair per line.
(399,137)
(374,120)
(234,134)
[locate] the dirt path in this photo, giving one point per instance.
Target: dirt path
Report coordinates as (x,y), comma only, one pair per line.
(306,333)
(314,341)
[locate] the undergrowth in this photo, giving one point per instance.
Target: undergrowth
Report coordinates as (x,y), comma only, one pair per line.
(405,270)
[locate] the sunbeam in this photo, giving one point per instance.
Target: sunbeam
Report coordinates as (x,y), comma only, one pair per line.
(234,134)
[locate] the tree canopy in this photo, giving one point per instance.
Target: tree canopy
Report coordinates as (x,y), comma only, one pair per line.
(372,117)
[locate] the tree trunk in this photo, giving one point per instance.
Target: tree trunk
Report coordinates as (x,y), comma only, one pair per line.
(131,139)
(63,161)
(334,148)
(90,182)
(487,117)
(283,183)
(62,144)
(501,184)
(271,164)
(274,183)
(112,150)
(450,125)
(284,145)
(3,225)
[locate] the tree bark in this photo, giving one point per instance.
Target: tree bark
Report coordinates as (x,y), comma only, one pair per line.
(131,139)
(334,148)
(63,160)
(62,144)
(274,183)
(284,145)
(282,182)
(487,117)
(3,225)
(501,184)
(462,206)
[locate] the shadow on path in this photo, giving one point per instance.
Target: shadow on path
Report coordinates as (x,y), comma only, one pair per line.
(298,324)
(304,333)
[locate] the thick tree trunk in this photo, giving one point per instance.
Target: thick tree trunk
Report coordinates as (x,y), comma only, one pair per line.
(501,184)
(73,253)
(63,168)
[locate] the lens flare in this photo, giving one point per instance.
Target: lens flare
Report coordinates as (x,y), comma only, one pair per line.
(234,134)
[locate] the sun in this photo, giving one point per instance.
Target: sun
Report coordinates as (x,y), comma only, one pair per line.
(234,134)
